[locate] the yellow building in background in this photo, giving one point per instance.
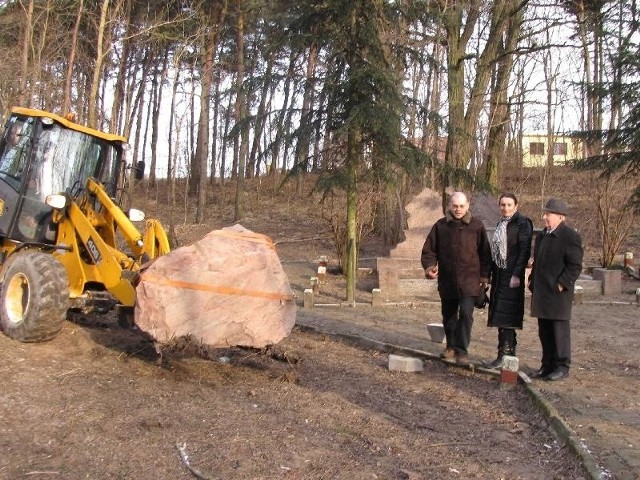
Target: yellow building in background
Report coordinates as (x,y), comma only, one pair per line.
(535,149)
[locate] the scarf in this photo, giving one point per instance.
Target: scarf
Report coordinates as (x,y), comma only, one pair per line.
(499,243)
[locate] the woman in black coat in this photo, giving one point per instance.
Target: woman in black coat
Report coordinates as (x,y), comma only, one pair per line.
(510,250)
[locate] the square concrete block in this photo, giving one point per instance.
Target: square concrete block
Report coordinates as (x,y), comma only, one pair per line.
(405,364)
(436,332)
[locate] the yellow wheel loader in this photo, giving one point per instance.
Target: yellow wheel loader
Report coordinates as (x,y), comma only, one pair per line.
(65,240)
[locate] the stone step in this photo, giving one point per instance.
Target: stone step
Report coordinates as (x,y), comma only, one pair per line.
(420,289)
(415,272)
(406,251)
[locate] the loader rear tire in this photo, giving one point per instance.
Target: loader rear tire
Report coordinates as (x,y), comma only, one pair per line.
(34,297)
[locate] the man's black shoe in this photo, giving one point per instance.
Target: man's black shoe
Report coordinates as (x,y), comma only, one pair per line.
(541,373)
(557,375)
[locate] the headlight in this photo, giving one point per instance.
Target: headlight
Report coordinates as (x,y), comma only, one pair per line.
(56,201)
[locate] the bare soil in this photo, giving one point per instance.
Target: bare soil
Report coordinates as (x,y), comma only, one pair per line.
(96,402)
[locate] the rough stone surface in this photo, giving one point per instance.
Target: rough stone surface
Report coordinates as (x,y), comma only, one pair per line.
(422,212)
(228,289)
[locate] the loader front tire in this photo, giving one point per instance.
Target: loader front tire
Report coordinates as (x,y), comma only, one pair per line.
(34,297)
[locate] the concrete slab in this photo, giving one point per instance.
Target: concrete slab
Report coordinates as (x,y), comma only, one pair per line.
(405,364)
(590,288)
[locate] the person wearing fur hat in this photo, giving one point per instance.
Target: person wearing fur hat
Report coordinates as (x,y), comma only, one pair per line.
(557,264)
(510,251)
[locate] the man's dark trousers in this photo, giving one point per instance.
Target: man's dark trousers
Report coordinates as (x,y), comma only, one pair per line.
(457,318)
(555,338)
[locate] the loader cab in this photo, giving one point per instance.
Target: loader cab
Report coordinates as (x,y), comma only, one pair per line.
(42,154)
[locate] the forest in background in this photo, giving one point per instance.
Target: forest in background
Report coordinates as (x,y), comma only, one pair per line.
(373,96)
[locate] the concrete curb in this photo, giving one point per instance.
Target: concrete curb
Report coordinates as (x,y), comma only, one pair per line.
(557,423)
(565,433)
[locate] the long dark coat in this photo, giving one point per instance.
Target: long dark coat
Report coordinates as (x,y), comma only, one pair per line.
(557,260)
(506,305)
(461,251)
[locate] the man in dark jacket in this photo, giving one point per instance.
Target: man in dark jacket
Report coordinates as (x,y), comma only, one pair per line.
(557,263)
(457,253)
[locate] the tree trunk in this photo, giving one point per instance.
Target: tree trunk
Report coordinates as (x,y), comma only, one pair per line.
(73,49)
(460,21)
(227,123)
(241,153)
(304,138)
(24,55)
(499,113)
(282,114)
(260,119)
(215,16)
(158,86)
(214,130)
(172,154)
(431,140)
(39,65)
(92,120)
(136,97)
(352,231)
(123,71)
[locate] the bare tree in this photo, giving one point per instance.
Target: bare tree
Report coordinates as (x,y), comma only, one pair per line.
(241,142)
(499,113)
(214,17)
(103,37)
(460,20)
(616,216)
(24,55)
(68,80)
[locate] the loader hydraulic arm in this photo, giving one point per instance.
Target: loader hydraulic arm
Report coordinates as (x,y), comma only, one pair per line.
(128,230)
(92,256)
(152,244)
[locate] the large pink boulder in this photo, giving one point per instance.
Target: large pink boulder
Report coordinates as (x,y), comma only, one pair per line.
(228,289)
